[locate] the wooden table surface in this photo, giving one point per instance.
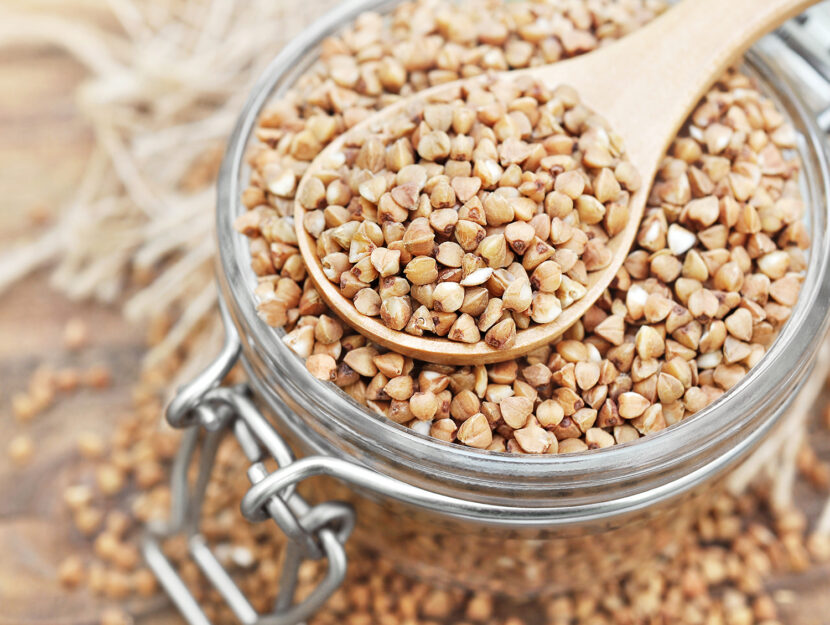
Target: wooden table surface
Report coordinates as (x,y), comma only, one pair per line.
(42,149)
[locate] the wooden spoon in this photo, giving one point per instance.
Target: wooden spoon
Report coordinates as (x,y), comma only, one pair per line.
(645,85)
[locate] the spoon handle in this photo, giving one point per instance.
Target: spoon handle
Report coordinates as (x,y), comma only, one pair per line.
(696,41)
(652,79)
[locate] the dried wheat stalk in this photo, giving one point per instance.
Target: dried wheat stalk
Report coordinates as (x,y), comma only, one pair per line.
(161,95)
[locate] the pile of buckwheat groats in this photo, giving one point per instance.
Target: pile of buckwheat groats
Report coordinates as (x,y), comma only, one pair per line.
(715,271)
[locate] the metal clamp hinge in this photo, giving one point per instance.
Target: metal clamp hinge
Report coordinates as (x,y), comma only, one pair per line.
(209,412)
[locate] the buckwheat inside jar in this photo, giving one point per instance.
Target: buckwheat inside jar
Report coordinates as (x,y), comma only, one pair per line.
(716,268)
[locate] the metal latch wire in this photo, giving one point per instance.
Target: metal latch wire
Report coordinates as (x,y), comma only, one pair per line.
(209,412)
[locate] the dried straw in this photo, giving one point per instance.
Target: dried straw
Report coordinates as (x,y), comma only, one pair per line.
(161,94)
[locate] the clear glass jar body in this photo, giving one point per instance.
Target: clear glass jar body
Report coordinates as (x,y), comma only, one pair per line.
(546,523)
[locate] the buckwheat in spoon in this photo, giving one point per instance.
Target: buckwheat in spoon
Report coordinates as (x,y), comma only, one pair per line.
(478,220)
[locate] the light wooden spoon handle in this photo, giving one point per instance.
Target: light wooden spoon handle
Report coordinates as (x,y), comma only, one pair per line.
(655,77)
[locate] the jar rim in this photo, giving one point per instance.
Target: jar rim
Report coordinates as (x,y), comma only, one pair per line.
(685,453)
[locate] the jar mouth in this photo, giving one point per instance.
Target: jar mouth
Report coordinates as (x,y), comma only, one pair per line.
(695,448)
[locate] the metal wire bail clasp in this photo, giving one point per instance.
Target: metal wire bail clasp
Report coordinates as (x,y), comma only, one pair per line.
(209,412)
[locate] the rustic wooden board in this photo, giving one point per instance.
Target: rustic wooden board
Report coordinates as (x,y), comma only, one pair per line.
(42,149)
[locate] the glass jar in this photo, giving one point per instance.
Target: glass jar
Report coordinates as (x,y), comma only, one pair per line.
(516,524)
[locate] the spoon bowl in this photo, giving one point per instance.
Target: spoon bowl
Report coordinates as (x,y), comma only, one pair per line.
(645,85)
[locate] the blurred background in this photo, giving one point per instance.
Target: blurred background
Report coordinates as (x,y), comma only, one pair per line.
(112,124)
(113,116)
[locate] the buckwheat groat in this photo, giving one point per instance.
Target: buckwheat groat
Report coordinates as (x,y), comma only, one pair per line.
(715,271)
(477,213)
